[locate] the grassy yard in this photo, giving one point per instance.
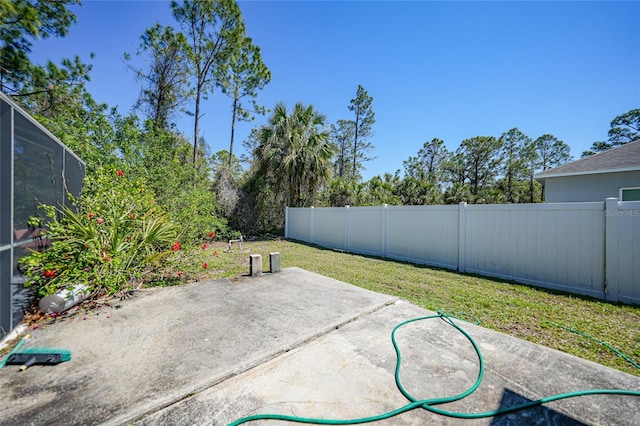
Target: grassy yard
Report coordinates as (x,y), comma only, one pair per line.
(518,310)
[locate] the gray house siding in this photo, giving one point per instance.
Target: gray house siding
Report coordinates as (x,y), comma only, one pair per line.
(588,187)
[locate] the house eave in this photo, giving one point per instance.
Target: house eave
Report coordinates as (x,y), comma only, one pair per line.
(543,176)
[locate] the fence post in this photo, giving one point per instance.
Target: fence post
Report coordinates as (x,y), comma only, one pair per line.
(611,276)
(286,222)
(311,225)
(346,228)
(383,248)
(462,236)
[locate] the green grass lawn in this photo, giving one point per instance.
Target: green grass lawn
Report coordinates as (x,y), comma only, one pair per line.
(507,307)
(510,308)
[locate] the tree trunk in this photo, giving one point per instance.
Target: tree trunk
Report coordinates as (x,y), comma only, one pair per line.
(156,118)
(233,126)
(195,135)
(195,127)
(355,146)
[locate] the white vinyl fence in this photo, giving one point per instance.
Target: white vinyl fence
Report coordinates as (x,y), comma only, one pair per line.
(584,248)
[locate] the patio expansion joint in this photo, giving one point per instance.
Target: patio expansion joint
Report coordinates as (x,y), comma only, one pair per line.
(141,412)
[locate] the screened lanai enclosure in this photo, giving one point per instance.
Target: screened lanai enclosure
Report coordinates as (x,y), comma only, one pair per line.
(35,168)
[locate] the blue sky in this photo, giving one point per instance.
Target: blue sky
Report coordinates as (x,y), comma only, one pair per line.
(447,69)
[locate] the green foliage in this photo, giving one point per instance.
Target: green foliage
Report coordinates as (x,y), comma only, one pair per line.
(457,192)
(342,134)
(260,207)
(166,166)
(214,29)
(481,155)
(481,170)
(455,168)
(115,236)
(416,192)
(427,165)
(294,152)
(165,81)
(20,23)
(70,113)
(552,152)
(625,128)
(363,122)
(196,210)
(342,192)
(197,262)
(231,164)
(383,190)
(424,175)
(227,173)
(242,75)
(518,159)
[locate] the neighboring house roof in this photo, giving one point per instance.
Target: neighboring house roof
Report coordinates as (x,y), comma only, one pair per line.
(623,158)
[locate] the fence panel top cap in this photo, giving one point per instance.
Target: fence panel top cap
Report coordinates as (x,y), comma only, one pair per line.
(591,205)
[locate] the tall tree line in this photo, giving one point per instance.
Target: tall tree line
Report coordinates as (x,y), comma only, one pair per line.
(177,69)
(350,137)
(623,129)
(213,50)
(296,158)
(483,169)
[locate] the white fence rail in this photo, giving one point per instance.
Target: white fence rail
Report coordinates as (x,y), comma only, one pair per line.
(584,248)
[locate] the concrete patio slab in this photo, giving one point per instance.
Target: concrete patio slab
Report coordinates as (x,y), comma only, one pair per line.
(293,343)
(349,373)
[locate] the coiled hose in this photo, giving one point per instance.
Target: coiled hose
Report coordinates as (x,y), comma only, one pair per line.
(429,404)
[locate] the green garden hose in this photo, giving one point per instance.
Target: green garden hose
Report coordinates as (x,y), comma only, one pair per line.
(603,343)
(429,404)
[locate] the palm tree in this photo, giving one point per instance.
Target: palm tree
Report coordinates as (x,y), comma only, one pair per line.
(294,152)
(383,191)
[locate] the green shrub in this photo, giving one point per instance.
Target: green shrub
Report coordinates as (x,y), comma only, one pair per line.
(115,237)
(196,211)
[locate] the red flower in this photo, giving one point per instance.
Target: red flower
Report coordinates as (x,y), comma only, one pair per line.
(100,220)
(205,265)
(120,173)
(176,246)
(49,273)
(212,234)
(204,246)
(180,273)
(215,253)
(91,215)
(128,239)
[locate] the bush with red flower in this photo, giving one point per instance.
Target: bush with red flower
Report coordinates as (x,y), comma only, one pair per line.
(49,273)
(115,236)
